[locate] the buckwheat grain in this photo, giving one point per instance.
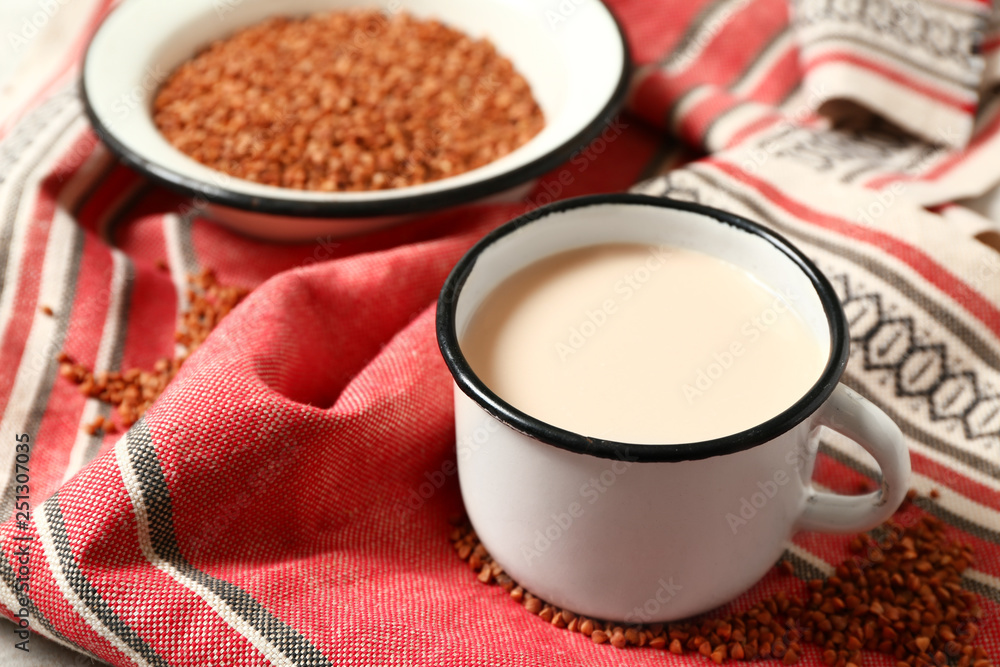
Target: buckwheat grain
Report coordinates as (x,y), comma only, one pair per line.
(346,101)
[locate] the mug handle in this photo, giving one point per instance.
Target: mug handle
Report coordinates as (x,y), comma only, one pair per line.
(854,416)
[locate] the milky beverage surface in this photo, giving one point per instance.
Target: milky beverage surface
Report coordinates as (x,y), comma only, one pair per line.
(642,344)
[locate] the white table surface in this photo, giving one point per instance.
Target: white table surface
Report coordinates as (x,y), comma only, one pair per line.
(41,652)
(12,15)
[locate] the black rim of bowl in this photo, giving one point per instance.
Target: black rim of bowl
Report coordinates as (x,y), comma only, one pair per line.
(473,387)
(374,208)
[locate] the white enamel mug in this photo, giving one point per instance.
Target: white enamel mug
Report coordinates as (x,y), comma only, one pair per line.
(652,533)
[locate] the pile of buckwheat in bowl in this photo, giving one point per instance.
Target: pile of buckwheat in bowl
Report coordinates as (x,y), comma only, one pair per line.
(347,101)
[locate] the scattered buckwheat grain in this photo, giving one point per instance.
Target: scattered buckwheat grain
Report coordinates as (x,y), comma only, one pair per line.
(131,392)
(899,594)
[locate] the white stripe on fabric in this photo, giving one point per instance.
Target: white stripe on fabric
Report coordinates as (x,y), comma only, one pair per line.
(811,558)
(79,607)
(759,70)
(910,71)
(707,29)
(948,499)
(926,117)
(987,580)
(221,609)
(8,598)
(172,238)
(41,341)
(69,124)
(688,102)
(112,328)
(733,121)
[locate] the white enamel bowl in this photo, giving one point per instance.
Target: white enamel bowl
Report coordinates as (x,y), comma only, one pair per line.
(576,62)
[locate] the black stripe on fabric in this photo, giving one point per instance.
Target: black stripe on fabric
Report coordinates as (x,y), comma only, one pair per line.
(104,409)
(759,57)
(931,507)
(62,317)
(89,595)
(957,520)
(802,568)
(159,514)
(117,351)
(50,371)
(109,226)
(9,578)
(926,504)
(979,588)
(749,101)
(124,309)
(9,216)
(806,571)
(924,154)
(27,129)
(186,243)
(113,219)
(969,85)
(914,431)
(693,32)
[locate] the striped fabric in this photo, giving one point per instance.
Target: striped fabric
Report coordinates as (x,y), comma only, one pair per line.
(272,506)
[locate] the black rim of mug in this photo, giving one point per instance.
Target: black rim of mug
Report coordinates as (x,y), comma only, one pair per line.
(507,414)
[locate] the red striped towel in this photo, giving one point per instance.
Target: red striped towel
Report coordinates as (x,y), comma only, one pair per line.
(266,509)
